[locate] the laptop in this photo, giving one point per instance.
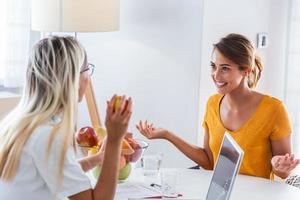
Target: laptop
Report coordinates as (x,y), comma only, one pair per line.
(227,167)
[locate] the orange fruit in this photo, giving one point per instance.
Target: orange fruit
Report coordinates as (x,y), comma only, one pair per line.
(117,103)
(126,149)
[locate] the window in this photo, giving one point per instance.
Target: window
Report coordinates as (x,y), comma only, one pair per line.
(2,39)
(14,41)
(293,73)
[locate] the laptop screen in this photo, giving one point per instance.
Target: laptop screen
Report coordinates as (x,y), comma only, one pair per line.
(226,169)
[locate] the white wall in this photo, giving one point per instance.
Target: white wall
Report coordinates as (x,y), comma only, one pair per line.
(155,59)
(247,17)
(161,57)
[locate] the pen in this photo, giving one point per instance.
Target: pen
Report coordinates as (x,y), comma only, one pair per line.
(155,185)
(159,186)
(160,197)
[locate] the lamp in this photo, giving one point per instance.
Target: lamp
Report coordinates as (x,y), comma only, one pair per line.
(77,16)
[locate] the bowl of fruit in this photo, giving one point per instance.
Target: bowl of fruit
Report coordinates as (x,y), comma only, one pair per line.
(91,140)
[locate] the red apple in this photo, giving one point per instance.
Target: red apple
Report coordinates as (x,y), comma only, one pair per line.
(86,137)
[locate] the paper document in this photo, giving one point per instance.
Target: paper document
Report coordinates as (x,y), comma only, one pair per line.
(126,191)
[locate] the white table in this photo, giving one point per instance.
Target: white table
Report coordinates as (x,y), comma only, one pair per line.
(193,184)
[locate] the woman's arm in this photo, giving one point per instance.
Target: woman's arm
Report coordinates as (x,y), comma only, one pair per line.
(116,125)
(89,162)
(105,186)
(202,156)
(283,162)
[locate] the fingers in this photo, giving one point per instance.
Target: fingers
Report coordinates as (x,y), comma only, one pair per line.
(112,100)
(127,112)
(285,163)
(138,126)
(286,157)
(146,125)
(145,129)
(129,106)
(148,129)
(128,135)
(293,165)
(277,163)
(292,157)
(127,116)
(110,105)
(123,109)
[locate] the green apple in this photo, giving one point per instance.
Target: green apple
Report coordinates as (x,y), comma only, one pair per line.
(125,171)
(101,132)
(96,171)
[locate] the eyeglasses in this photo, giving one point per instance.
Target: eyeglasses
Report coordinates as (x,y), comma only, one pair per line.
(90,68)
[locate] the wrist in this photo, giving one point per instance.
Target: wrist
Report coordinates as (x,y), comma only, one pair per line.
(114,141)
(167,135)
(280,174)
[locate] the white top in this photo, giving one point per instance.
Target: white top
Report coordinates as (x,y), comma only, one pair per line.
(36,178)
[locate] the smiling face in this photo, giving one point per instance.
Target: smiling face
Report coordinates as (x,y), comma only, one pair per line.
(226,75)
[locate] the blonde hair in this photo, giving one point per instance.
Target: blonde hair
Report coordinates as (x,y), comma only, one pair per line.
(52,84)
(239,50)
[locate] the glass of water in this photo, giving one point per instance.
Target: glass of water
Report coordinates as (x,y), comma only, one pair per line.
(151,164)
(169,182)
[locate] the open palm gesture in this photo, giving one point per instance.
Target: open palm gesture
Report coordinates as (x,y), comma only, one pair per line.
(150,132)
(285,163)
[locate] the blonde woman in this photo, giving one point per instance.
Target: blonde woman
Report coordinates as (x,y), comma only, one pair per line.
(37,157)
(258,122)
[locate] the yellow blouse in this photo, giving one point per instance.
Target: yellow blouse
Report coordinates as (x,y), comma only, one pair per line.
(269,122)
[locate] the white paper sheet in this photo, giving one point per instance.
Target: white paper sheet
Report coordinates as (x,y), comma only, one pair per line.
(127,191)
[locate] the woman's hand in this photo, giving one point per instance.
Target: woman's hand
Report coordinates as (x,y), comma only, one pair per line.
(117,121)
(150,132)
(101,151)
(284,164)
(92,160)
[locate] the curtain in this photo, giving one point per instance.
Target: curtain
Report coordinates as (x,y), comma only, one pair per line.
(293,72)
(14,41)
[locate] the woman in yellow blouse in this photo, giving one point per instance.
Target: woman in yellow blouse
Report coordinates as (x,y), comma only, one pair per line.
(259,123)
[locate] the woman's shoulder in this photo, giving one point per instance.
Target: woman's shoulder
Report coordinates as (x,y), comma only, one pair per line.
(272,106)
(39,139)
(215,99)
(272,101)
(39,136)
